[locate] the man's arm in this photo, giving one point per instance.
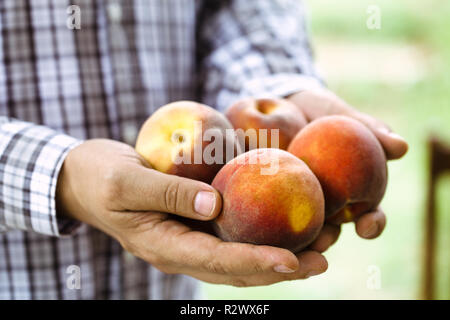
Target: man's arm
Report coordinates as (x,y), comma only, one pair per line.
(30,159)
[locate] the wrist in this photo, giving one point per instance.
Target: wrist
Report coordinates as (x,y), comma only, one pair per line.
(64,196)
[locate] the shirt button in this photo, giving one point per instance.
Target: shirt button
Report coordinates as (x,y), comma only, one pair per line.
(114,12)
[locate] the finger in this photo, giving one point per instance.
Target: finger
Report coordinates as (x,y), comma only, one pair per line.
(371,225)
(202,252)
(233,258)
(248,259)
(393,144)
(327,237)
(311,264)
(146,189)
(322,102)
(178,250)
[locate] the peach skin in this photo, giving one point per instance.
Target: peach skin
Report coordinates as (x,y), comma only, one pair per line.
(187,139)
(283,209)
(266,114)
(349,162)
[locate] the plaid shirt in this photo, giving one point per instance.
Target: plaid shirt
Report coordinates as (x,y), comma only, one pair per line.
(60,86)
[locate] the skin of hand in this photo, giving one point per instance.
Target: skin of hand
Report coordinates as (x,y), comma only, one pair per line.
(322,102)
(109,186)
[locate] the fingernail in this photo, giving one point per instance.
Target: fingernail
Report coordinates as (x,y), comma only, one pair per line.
(204,203)
(283,269)
(371,231)
(396,136)
(312,273)
(393,135)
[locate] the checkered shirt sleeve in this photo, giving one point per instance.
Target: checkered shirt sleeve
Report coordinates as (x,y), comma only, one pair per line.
(256,48)
(30,159)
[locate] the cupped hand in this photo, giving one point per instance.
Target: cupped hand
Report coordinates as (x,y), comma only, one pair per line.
(107,185)
(322,102)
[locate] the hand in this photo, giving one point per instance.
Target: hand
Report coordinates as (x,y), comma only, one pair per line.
(322,102)
(108,185)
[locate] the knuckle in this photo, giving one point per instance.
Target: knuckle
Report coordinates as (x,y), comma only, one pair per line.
(238,282)
(257,268)
(216,266)
(172,197)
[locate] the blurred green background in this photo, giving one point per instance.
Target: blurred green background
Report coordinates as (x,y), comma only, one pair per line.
(399,73)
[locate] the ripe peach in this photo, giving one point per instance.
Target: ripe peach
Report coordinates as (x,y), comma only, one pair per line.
(269,198)
(187,139)
(349,162)
(266,114)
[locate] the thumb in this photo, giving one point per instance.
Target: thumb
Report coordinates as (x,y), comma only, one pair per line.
(151,190)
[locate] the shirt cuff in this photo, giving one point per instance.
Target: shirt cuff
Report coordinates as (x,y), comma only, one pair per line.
(62,226)
(32,157)
(280,85)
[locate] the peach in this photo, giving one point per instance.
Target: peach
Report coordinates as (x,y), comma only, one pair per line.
(266,114)
(187,139)
(349,162)
(271,198)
